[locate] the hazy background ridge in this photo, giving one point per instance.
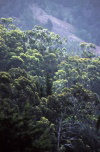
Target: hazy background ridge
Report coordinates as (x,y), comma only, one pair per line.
(78,20)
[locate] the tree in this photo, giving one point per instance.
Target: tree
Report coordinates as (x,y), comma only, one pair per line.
(44,136)
(6,21)
(48,85)
(98,124)
(88,49)
(15,62)
(5,86)
(57,112)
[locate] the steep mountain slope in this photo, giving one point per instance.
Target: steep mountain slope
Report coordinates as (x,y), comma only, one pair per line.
(58,26)
(30,13)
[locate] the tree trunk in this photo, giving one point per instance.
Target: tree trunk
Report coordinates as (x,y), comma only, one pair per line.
(59,134)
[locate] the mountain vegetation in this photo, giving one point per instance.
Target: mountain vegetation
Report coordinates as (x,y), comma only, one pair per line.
(82,14)
(49,99)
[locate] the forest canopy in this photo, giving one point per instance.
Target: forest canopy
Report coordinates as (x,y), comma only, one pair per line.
(84,15)
(49,99)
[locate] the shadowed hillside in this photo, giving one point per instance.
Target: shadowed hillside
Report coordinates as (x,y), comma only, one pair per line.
(49,77)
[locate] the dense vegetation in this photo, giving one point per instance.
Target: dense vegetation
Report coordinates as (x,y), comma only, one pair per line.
(83,14)
(49,100)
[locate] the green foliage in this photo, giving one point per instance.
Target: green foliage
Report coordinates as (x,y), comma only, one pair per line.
(49,101)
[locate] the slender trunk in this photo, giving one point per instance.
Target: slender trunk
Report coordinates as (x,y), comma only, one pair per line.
(59,134)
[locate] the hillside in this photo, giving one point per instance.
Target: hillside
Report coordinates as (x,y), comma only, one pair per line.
(49,76)
(48,98)
(58,26)
(61,22)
